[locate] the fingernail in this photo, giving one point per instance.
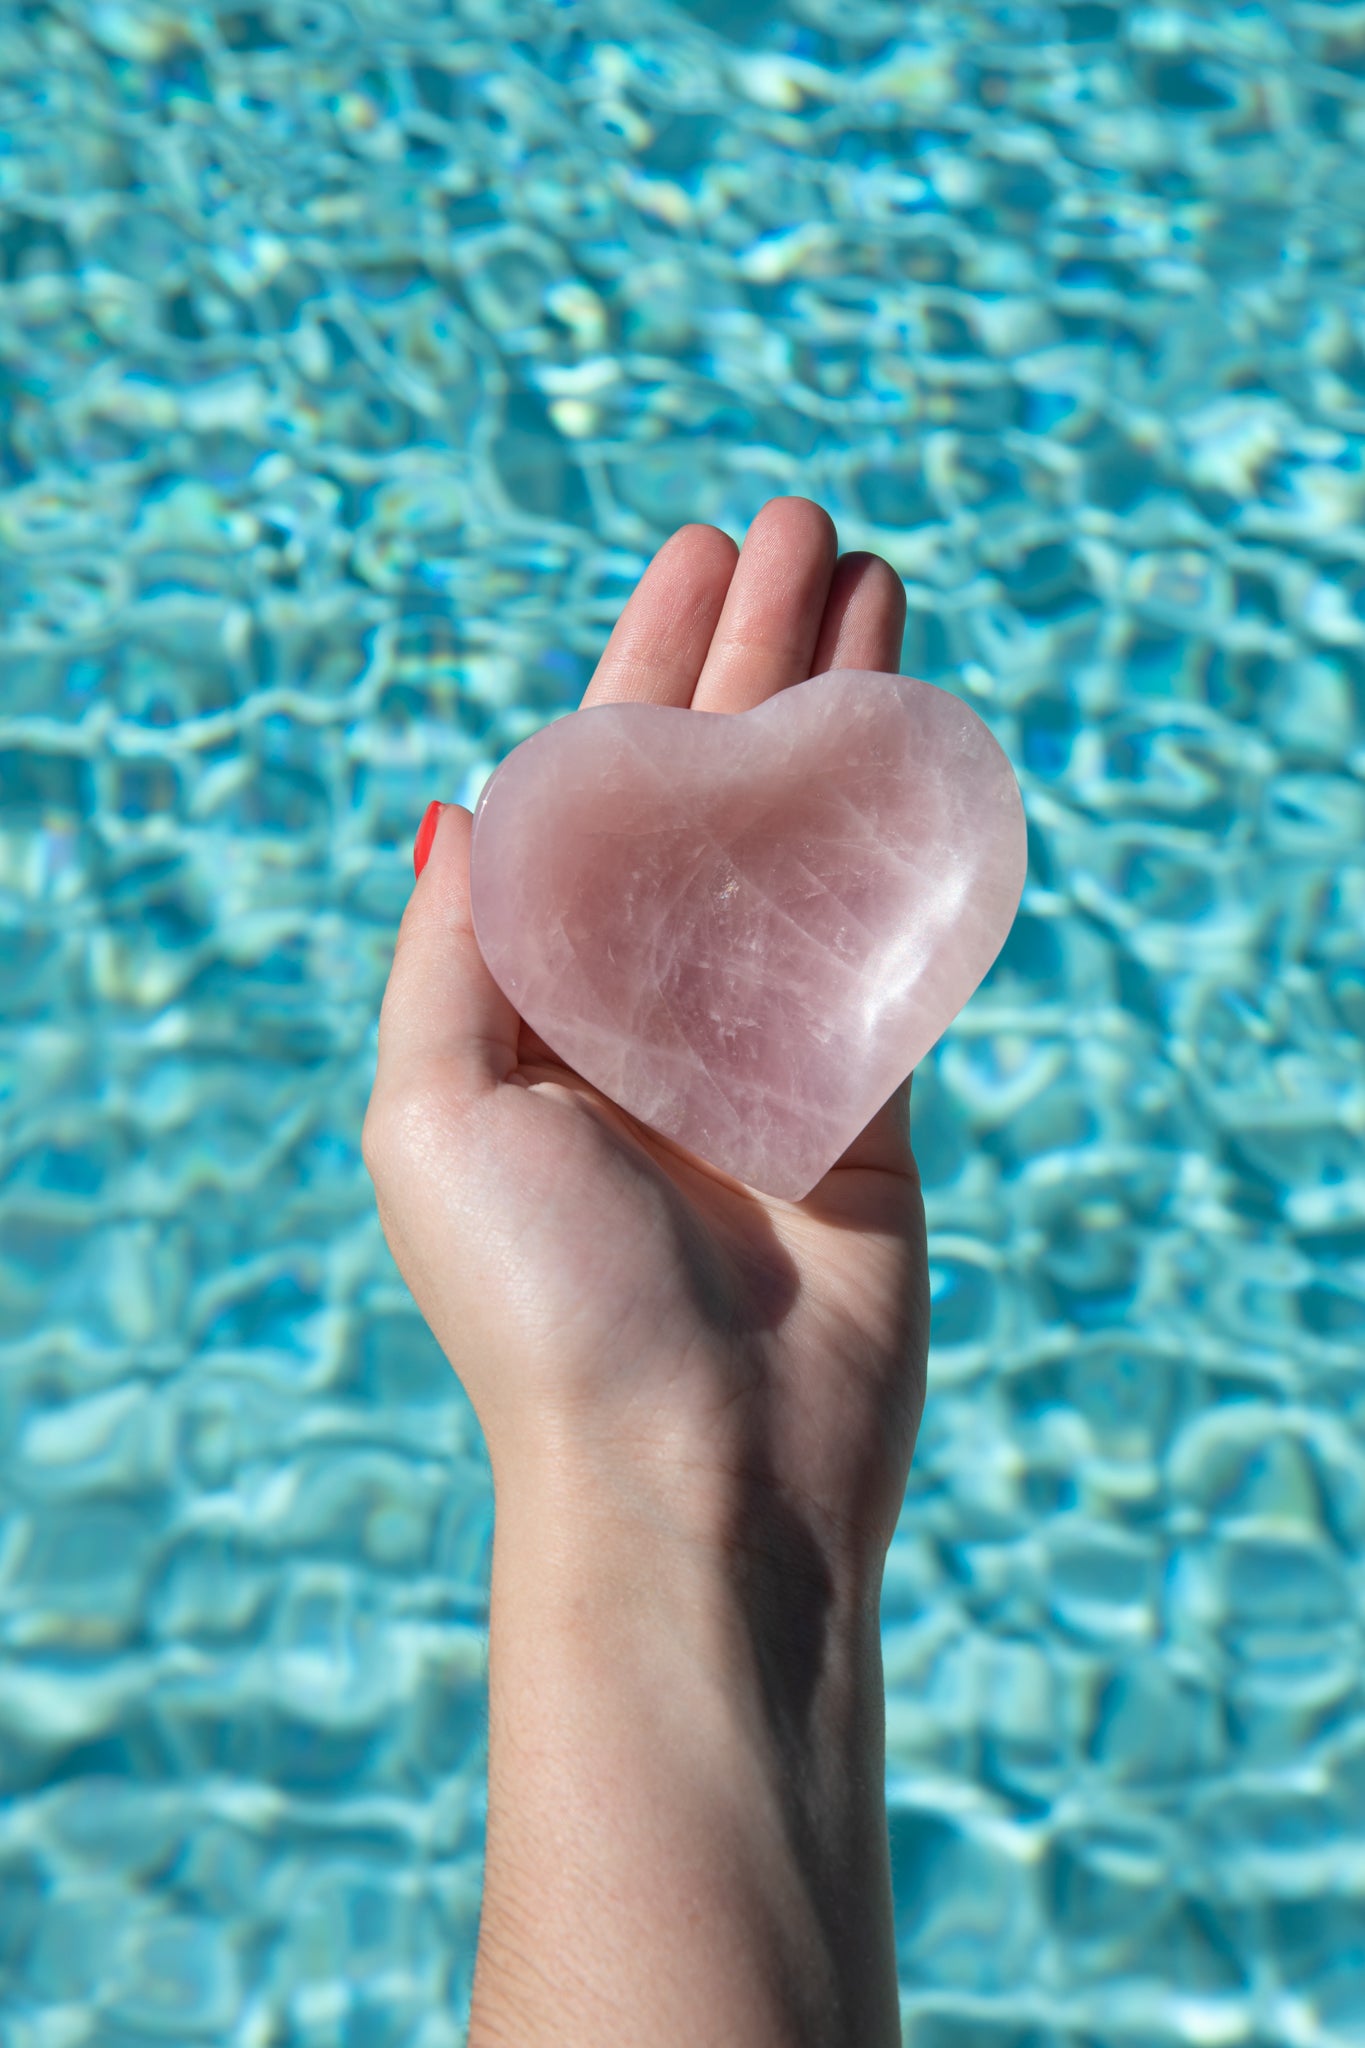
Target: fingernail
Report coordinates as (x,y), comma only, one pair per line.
(426,832)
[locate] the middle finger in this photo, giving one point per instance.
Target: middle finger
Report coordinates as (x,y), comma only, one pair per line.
(768,628)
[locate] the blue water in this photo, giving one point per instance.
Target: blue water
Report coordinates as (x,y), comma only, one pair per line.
(353,361)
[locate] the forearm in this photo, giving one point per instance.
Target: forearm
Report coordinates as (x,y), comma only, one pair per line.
(687,1826)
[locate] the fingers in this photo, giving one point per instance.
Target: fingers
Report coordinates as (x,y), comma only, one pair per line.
(708,624)
(660,641)
(773,610)
(864,622)
(443,1014)
(722,628)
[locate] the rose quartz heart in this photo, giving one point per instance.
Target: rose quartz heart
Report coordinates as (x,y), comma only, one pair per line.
(746,928)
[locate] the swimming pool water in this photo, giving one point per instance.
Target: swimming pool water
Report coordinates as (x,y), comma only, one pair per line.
(353,360)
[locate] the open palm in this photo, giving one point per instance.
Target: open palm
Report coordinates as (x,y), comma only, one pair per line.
(611,1303)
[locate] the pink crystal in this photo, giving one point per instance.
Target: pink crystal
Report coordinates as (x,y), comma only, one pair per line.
(747,928)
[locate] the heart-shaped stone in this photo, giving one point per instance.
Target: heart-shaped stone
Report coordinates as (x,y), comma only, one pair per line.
(747,928)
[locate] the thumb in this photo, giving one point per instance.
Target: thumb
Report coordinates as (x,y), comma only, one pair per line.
(442,1011)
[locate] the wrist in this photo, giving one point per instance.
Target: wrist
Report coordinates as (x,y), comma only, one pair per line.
(673,1720)
(606,1522)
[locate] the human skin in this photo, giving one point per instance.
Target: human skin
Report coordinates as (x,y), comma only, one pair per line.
(700,1405)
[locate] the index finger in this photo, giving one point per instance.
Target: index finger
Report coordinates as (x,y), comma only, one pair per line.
(661,640)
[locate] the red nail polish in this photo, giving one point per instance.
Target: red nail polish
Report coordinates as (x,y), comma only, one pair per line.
(426,832)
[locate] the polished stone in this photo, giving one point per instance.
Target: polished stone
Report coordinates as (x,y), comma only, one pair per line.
(746,929)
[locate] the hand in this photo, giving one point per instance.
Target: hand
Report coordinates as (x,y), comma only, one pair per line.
(627,1319)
